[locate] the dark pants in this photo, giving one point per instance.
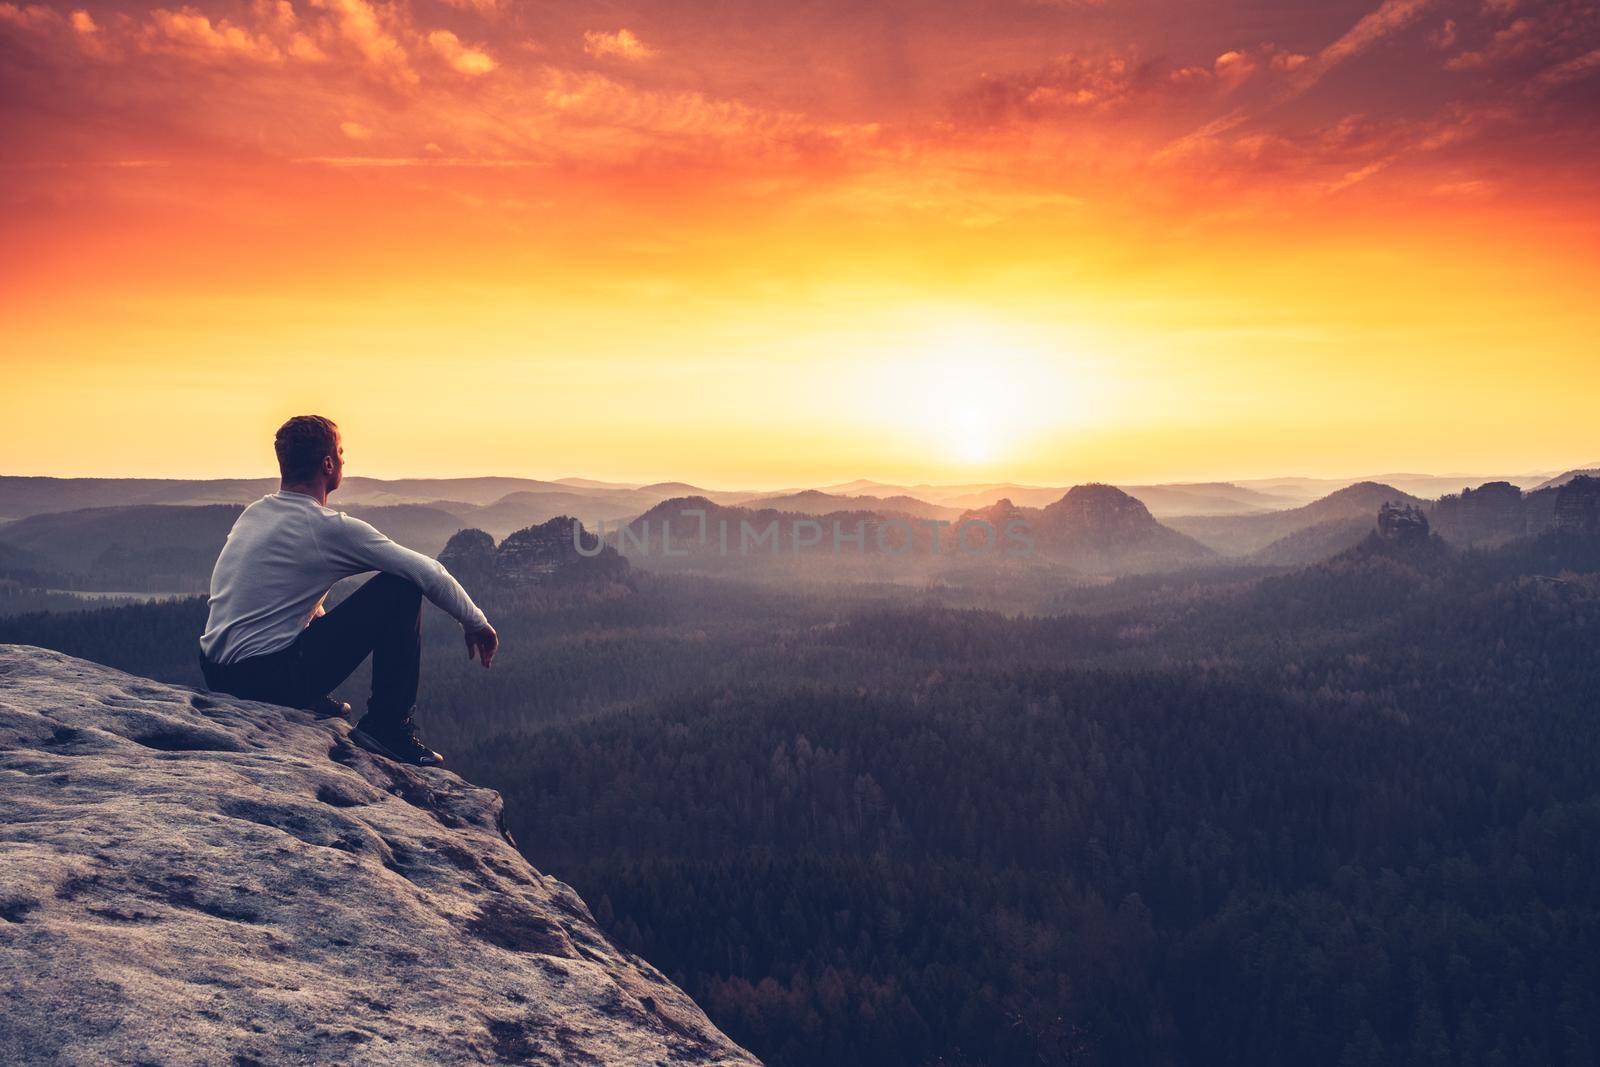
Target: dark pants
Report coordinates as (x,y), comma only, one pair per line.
(383,618)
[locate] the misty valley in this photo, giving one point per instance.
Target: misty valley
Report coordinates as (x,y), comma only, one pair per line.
(1215,774)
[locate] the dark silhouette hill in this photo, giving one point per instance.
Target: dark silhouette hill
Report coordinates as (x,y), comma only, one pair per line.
(546,555)
(24,569)
(1102,530)
(1098,529)
(1592,471)
(1493,513)
(152,546)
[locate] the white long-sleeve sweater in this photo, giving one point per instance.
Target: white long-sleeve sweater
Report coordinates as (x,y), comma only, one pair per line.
(282,556)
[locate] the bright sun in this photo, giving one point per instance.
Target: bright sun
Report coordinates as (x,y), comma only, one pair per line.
(974,387)
(968,410)
(973,391)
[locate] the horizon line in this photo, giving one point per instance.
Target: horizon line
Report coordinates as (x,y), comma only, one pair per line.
(1349,479)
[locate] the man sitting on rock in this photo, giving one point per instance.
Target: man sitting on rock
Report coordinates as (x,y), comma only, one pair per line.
(267,636)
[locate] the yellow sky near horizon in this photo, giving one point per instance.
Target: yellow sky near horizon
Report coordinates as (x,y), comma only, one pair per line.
(1043,245)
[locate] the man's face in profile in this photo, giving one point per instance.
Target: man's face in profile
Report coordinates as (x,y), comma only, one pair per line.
(338,461)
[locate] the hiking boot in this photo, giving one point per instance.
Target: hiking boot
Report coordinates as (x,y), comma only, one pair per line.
(397,739)
(329,708)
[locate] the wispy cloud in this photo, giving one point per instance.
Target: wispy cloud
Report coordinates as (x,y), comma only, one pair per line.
(1302,74)
(360,25)
(1388,18)
(623,44)
(189,33)
(1571,70)
(28,16)
(462,58)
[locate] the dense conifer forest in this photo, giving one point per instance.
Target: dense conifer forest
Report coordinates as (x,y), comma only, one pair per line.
(1345,815)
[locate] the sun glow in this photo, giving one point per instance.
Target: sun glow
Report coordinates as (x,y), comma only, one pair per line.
(973,392)
(969,399)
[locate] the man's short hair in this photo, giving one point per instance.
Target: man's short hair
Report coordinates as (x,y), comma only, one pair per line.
(301,443)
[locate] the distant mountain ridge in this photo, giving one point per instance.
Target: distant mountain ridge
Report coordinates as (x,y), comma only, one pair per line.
(160,543)
(500,505)
(1351,508)
(1092,529)
(818,502)
(21,496)
(1178,498)
(1591,471)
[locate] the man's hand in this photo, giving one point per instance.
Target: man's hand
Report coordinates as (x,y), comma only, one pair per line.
(484,642)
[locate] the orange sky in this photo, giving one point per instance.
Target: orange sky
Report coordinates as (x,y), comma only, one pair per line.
(1045,240)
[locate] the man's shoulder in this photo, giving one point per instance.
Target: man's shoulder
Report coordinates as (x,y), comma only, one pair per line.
(345,523)
(299,502)
(258,511)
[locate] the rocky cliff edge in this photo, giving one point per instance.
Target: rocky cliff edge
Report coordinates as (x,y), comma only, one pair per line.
(186,878)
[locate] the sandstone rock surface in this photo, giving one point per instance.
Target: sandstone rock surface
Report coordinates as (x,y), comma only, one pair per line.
(186,878)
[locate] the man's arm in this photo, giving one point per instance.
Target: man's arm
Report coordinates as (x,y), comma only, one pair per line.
(358,546)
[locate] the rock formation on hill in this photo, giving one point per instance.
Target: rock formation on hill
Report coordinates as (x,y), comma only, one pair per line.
(1098,529)
(1404,524)
(1000,515)
(1578,506)
(469,557)
(550,551)
(187,878)
(542,555)
(1498,512)
(1491,514)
